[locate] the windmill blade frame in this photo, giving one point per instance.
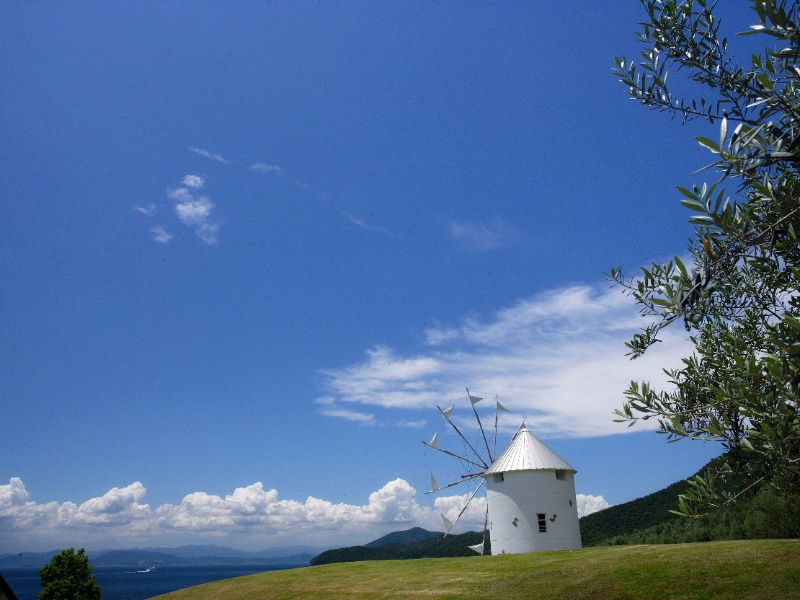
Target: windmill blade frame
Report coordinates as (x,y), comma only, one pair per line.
(454,455)
(464,509)
(453,484)
(473,400)
(480,461)
(463,437)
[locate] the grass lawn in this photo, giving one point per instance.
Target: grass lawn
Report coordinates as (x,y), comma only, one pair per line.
(768,569)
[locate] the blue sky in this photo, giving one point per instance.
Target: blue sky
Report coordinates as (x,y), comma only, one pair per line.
(247,247)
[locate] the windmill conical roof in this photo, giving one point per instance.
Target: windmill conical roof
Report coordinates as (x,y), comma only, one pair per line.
(526,452)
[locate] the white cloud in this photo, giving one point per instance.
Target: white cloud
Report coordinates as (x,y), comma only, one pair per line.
(193,181)
(261,167)
(250,517)
(349,415)
(366,226)
(160,234)
(331,409)
(412,424)
(474,516)
(210,155)
(557,358)
(590,504)
(148,210)
(118,506)
(195,211)
(481,236)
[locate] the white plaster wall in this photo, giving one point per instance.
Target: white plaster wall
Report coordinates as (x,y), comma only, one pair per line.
(515,502)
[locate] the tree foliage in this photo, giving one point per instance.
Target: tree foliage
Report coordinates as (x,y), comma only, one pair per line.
(738,293)
(68,576)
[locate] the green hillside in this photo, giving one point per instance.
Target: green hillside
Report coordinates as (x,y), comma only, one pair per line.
(604,527)
(765,569)
(429,547)
(407,536)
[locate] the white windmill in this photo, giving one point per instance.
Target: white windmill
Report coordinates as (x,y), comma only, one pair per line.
(531,503)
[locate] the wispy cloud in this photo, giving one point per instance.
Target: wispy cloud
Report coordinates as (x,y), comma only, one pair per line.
(160,234)
(349,415)
(211,155)
(412,424)
(367,226)
(250,516)
(331,409)
(147,211)
(557,358)
(195,211)
(480,237)
(261,167)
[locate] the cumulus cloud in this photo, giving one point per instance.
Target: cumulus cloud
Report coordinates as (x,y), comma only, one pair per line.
(193,210)
(482,236)
(590,504)
(556,358)
(210,155)
(119,507)
(193,181)
(251,516)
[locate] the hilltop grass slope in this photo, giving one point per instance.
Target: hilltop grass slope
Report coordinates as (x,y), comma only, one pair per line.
(732,569)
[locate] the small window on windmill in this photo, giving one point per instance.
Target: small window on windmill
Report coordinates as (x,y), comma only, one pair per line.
(542,518)
(497,477)
(561,475)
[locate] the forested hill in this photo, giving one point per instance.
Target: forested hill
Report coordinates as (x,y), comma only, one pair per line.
(601,528)
(431,547)
(767,513)
(409,536)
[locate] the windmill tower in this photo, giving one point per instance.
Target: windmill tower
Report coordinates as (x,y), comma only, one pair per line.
(530,497)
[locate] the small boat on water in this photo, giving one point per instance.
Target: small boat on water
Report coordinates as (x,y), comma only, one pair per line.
(147,570)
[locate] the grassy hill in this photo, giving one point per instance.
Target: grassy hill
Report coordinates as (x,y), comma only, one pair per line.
(732,569)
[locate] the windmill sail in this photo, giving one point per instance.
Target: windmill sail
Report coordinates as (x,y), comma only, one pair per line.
(477,548)
(447,524)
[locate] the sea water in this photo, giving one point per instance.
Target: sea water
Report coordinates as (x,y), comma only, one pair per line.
(119,583)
